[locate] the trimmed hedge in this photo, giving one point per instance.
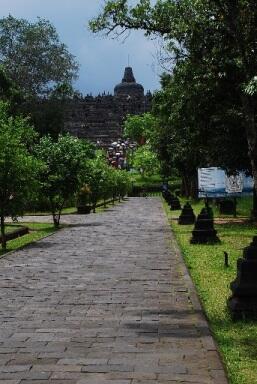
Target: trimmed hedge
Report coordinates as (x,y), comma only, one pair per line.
(139,190)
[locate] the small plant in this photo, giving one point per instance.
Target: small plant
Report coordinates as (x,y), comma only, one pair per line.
(84,196)
(84,199)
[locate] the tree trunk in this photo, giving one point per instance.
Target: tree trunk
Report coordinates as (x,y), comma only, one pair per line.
(185,185)
(254,210)
(3,231)
(190,184)
(56,220)
(194,187)
(94,205)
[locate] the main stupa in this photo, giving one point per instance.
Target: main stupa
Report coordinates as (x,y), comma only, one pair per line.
(101,118)
(129,86)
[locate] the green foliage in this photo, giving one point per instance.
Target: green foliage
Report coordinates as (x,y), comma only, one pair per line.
(103,181)
(5,84)
(33,56)
(84,195)
(118,16)
(140,128)
(123,182)
(8,90)
(34,63)
(145,161)
(210,100)
(251,87)
(96,179)
(65,161)
(200,124)
(37,231)
(46,115)
(236,340)
(18,168)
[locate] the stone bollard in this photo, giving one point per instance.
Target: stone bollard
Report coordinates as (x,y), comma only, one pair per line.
(166,195)
(204,231)
(174,203)
(227,207)
(187,215)
(243,302)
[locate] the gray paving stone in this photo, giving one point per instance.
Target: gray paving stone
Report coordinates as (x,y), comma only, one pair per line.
(15,368)
(45,381)
(9,381)
(107,300)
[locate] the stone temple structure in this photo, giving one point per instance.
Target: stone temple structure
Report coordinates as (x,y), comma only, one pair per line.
(100,119)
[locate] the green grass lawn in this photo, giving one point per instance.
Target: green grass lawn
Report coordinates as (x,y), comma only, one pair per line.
(37,231)
(65,211)
(144,181)
(140,180)
(11,228)
(237,341)
(244,206)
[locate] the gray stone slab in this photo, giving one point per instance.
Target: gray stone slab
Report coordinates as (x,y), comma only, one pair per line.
(107,300)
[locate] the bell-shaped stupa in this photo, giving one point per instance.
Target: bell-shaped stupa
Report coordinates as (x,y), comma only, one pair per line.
(129,86)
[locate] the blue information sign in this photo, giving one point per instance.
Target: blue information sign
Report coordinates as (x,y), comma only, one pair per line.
(215,182)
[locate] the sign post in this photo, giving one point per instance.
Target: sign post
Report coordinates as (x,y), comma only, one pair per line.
(214,182)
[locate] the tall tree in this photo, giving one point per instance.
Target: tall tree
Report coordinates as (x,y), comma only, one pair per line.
(219,37)
(48,115)
(145,161)
(8,90)
(200,124)
(18,168)
(33,56)
(140,128)
(64,161)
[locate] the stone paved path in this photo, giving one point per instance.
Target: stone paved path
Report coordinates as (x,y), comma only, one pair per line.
(105,301)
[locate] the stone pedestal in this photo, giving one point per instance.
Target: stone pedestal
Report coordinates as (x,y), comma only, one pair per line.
(227,207)
(204,231)
(187,215)
(172,200)
(174,203)
(254,215)
(209,211)
(243,302)
(167,196)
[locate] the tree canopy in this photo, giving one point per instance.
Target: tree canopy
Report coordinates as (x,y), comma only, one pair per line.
(200,124)
(145,161)
(18,168)
(214,45)
(140,128)
(33,56)
(64,163)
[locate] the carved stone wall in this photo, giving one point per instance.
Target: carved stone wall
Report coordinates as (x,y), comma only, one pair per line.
(101,118)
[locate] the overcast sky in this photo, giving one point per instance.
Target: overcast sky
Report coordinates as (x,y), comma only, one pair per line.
(102,60)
